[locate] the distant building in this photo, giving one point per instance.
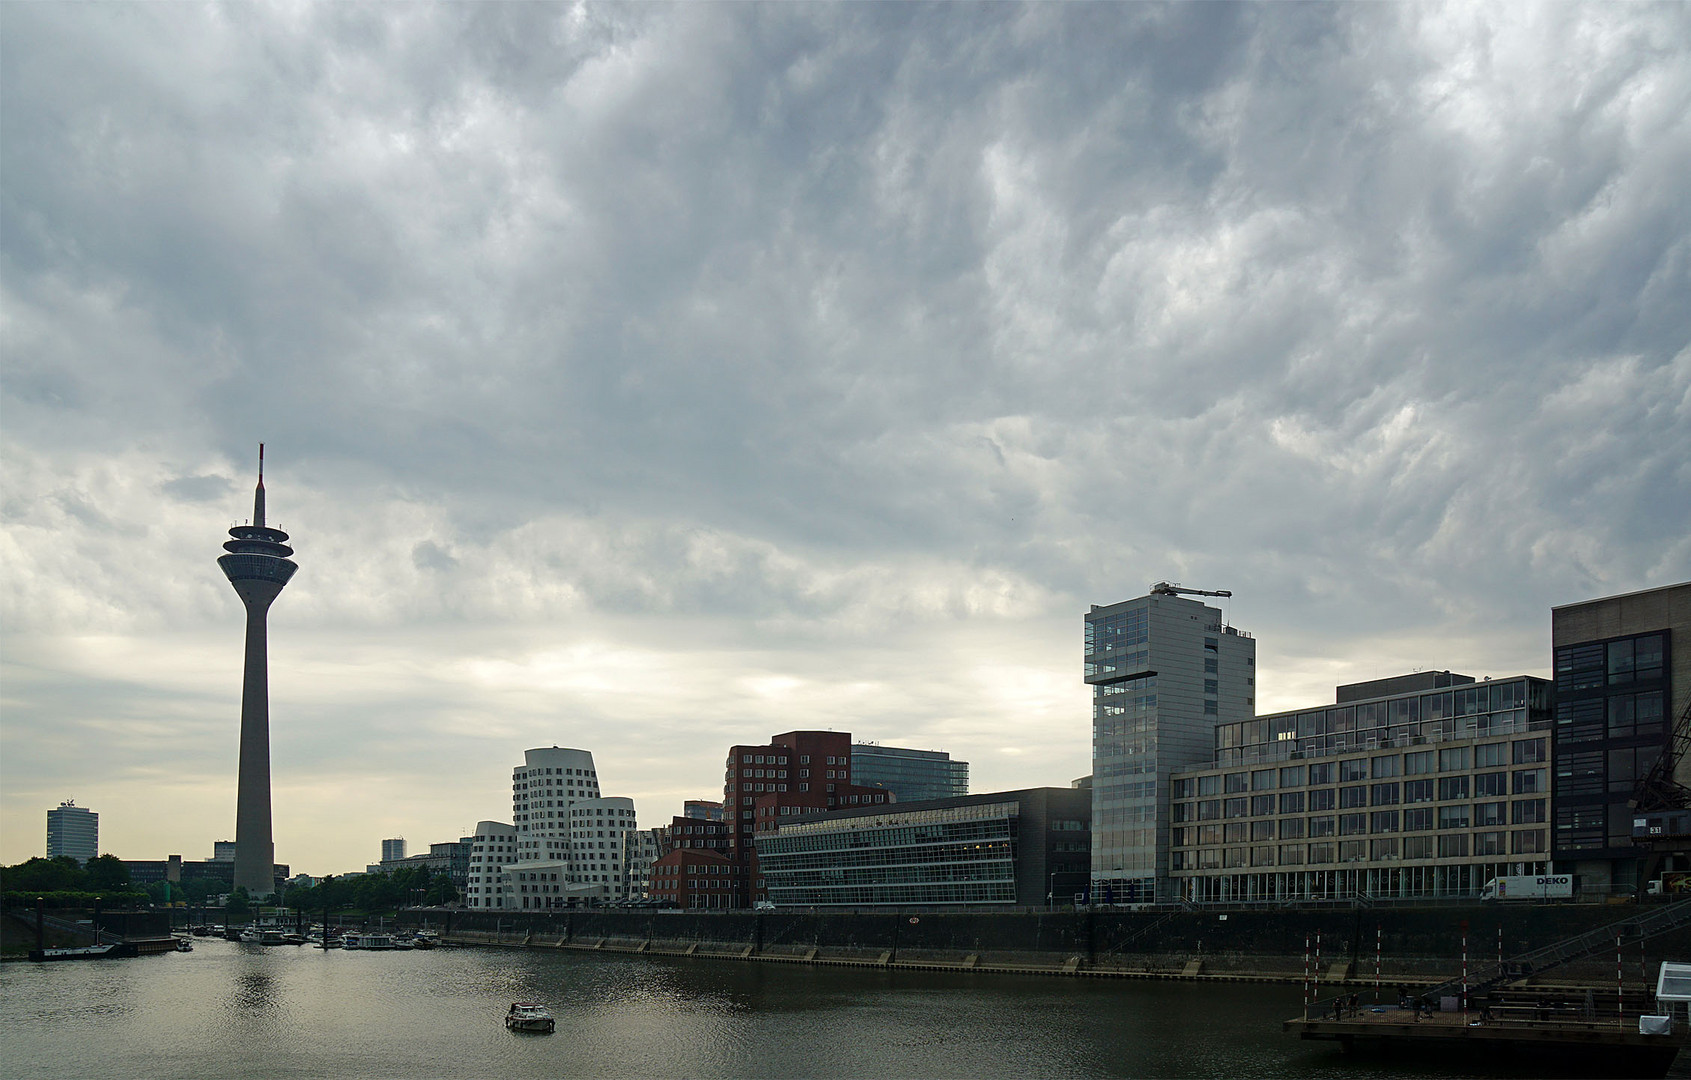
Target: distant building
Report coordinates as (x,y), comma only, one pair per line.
(1165,671)
(73,831)
(151,871)
(223,851)
(1027,847)
(1623,676)
(702,810)
(911,775)
(393,850)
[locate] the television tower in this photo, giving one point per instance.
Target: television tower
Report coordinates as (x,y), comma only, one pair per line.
(257,566)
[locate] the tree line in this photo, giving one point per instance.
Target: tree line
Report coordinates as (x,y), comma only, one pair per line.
(64,883)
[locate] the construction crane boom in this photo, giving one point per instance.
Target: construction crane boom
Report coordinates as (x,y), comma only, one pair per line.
(1174,588)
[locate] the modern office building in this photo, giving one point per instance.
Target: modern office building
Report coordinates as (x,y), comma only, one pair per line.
(258,566)
(393,850)
(73,831)
(910,775)
(1424,785)
(1028,847)
(799,772)
(492,847)
(1165,671)
(1623,677)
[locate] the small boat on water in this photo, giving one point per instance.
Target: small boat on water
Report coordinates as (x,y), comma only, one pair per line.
(354,940)
(184,944)
(422,940)
(530,1016)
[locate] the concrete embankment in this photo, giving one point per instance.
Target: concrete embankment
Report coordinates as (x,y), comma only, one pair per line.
(1415,945)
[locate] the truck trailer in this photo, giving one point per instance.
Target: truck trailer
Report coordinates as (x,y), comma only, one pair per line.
(1529,887)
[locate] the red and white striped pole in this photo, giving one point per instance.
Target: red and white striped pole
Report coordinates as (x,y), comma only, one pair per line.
(1318,965)
(1306,973)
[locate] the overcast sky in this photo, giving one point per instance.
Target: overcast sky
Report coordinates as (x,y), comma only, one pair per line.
(650,379)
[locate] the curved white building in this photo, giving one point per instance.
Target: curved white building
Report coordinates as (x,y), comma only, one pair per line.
(569,839)
(493,845)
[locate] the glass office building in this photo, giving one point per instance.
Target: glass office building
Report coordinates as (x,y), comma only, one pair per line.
(1164,672)
(1620,684)
(911,775)
(1005,848)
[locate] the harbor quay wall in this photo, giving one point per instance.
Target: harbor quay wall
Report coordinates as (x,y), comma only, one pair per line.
(1413,943)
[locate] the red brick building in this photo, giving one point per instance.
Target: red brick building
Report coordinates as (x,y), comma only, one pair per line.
(798,773)
(696,878)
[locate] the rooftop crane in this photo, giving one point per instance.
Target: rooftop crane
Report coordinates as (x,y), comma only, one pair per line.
(1174,588)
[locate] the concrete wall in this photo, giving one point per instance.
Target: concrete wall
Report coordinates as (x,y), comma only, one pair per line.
(1412,942)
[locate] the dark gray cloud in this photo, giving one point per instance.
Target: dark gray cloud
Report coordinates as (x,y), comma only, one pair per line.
(691,371)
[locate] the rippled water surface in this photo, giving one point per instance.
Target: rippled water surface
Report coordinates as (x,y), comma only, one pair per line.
(231,1010)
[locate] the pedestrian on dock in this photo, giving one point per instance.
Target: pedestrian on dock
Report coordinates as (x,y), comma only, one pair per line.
(1339,1007)
(1355,1004)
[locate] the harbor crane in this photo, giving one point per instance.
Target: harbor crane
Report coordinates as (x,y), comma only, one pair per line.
(1174,588)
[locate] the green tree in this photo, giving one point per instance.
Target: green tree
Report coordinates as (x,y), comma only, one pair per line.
(40,875)
(240,904)
(107,874)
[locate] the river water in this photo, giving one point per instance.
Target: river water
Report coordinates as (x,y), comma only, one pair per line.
(229,1010)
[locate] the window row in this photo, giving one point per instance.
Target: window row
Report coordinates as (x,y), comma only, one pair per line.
(1447,846)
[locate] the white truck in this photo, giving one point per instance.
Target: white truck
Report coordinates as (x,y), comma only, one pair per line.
(1529,887)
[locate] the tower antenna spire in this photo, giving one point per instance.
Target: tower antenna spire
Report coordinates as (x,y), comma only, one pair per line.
(258,494)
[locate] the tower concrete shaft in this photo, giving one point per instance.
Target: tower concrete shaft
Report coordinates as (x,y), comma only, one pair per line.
(258,566)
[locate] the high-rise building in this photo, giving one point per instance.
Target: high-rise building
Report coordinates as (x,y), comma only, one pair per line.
(73,831)
(1165,671)
(1623,677)
(393,850)
(911,775)
(257,565)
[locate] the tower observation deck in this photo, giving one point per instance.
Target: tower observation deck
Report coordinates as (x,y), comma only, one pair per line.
(257,565)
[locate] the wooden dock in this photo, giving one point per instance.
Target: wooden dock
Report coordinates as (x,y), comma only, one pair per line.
(1554,1033)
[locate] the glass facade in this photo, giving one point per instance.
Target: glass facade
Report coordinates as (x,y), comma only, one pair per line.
(911,775)
(1612,724)
(951,855)
(1164,672)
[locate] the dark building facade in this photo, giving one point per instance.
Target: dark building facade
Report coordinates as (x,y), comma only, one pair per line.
(912,775)
(1023,848)
(1623,676)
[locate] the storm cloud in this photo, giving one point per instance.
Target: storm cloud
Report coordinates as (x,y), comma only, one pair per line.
(654,378)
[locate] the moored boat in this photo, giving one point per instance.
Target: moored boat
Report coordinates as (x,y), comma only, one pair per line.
(354,940)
